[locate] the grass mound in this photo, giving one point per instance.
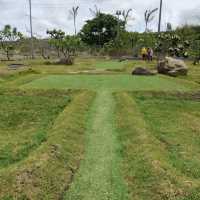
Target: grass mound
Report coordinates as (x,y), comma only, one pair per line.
(25,120)
(39,162)
(160,145)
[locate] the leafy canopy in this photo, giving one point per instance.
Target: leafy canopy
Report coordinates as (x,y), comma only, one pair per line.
(65,44)
(101,29)
(172,44)
(9,39)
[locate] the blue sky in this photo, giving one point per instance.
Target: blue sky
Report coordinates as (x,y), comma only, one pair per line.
(49,14)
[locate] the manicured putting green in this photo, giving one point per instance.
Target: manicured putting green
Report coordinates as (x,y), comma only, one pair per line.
(111,82)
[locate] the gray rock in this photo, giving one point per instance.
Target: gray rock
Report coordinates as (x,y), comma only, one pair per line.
(142,72)
(172,67)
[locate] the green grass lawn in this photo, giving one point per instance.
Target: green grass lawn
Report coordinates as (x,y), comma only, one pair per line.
(25,121)
(104,136)
(194,72)
(160,137)
(111,82)
(41,142)
(111,64)
(80,65)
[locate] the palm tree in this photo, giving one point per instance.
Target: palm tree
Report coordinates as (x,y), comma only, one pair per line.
(149,16)
(118,13)
(126,15)
(96,12)
(74,13)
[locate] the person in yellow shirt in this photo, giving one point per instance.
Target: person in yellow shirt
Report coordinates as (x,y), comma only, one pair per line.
(144,53)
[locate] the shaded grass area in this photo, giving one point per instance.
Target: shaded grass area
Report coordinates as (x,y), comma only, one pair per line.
(112,82)
(47,170)
(160,146)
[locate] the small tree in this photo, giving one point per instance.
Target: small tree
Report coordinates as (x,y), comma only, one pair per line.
(149,16)
(171,44)
(65,44)
(69,47)
(56,39)
(9,39)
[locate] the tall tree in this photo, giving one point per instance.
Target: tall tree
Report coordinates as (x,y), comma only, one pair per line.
(126,15)
(56,39)
(74,13)
(65,44)
(9,39)
(95,12)
(149,16)
(100,30)
(118,13)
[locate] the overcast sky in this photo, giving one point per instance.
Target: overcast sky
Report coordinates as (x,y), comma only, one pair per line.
(49,14)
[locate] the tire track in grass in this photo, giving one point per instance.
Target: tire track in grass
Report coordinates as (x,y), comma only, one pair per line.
(99,177)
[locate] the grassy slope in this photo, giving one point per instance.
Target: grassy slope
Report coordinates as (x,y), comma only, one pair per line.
(99,176)
(112,82)
(160,155)
(46,173)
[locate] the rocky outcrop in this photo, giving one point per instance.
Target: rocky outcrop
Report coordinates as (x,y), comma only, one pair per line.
(172,67)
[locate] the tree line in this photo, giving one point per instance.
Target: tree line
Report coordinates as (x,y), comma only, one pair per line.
(106,34)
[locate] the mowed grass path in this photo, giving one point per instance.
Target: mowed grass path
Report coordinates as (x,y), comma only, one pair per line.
(99,177)
(110,82)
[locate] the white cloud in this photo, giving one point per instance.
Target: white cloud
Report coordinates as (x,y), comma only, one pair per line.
(48,14)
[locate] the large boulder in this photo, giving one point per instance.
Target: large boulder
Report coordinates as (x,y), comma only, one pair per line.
(172,67)
(142,71)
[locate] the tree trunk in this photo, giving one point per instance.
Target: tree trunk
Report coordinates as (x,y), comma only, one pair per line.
(58,52)
(75,25)
(8,56)
(43,54)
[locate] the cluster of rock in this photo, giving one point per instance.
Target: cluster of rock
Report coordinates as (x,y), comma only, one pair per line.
(168,66)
